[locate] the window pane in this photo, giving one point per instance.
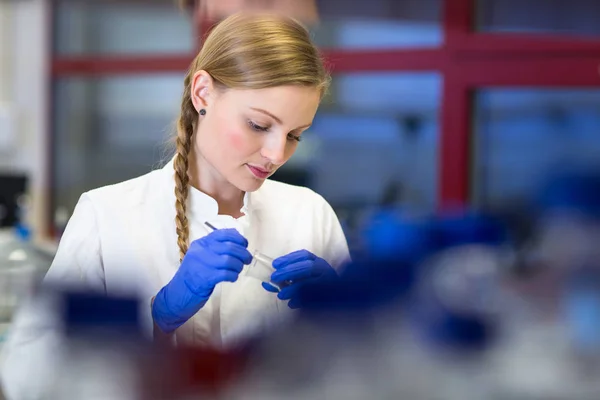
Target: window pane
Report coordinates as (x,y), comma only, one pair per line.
(111,27)
(379,24)
(521,135)
(572,17)
(110,129)
(373,141)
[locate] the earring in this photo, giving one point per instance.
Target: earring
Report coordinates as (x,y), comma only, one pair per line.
(202,111)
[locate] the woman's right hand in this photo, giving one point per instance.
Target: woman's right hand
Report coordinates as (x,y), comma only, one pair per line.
(218,257)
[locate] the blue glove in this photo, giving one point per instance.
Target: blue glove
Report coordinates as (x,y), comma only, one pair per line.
(218,257)
(296,270)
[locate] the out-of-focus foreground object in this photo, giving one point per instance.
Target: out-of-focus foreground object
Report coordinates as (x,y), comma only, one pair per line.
(452,299)
(433,307)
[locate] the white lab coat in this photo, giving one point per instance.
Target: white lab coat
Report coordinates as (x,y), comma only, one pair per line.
(121,238)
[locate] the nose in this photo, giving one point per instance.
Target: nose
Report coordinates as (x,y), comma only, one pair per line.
(274,149)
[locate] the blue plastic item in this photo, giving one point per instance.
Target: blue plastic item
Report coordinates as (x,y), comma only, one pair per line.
(296,270)
(218,257)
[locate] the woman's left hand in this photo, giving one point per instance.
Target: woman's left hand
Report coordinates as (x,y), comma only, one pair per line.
(295,270)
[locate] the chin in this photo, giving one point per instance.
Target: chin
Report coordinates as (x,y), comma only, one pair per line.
(249,186)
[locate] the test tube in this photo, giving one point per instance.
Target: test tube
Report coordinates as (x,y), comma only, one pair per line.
(261,266)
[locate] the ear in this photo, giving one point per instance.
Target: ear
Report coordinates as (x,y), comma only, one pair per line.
(202,90)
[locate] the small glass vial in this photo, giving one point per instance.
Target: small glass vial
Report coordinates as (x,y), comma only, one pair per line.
(261,268)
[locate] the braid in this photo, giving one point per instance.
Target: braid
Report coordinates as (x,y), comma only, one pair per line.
(185,130)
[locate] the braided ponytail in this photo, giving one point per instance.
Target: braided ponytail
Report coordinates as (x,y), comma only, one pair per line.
(185,130)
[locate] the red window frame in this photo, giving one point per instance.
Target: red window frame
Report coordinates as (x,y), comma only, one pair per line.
(466,61)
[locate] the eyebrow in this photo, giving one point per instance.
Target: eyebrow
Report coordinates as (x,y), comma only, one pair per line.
(274,117)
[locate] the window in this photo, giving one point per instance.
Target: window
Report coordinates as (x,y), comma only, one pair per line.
(407,106)
(522,135)
(566,17)
(111,129)
(84,27)
(379,24)
(378,147)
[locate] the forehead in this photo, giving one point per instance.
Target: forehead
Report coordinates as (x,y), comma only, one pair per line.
(289,103)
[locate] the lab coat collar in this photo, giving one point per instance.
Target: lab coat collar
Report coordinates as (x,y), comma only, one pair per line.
(201,205)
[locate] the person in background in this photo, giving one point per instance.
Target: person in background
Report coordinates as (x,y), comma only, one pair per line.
(214,10)
(249,95)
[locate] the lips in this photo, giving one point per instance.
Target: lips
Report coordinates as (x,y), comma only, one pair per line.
(258,172)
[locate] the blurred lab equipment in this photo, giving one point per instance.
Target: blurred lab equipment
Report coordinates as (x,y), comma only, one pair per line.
(22,264)
(458,294)
(107,356)
(11,188)
(454,312)
(21,268)
(104,348)
(554,331)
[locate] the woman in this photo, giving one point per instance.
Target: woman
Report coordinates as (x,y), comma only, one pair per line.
(251,92)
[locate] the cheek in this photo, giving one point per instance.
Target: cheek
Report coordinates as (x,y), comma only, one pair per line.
(239,142)
(290,149)
(230,137)
(236,140)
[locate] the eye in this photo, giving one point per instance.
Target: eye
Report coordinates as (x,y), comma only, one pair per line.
(294,137)
(257,128)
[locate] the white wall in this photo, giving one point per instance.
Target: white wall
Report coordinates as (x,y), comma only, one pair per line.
(23,91)
(5,25)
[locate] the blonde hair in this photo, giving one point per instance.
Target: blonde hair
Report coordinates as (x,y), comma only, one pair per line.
(244,51)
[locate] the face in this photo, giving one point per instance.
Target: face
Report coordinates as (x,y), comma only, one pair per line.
(246,135)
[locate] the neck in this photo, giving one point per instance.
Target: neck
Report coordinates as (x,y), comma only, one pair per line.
(205,178)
